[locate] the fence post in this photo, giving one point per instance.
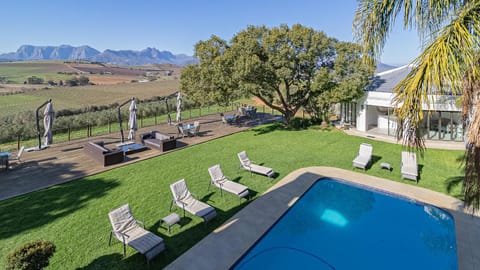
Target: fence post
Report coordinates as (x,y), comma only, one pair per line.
(190,111)
(200,111)
(18,142)
(69,132)
(141,120)
(109,127)
(156,112)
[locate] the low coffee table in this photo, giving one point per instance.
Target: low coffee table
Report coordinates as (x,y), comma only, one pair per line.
(131,148)
(171,219)
(385,165)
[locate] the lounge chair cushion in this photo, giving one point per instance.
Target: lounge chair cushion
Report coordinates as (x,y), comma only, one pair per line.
(196,207)
(122,219)
(184,199)
(142,240)
(125,228)
(261,170)
(221,181)
(250,166)
(235,188)
(364,156)
(100,148)
(409,166)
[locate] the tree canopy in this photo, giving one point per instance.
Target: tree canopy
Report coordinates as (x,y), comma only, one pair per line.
(449,63)
(285,67)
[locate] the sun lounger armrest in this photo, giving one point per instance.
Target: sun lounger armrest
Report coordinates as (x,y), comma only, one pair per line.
(140,223)
(119,233)
(180,202)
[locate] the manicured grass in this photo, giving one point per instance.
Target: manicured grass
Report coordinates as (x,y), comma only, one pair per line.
(74,215)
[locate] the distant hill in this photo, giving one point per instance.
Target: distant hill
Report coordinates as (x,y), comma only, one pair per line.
(122,57)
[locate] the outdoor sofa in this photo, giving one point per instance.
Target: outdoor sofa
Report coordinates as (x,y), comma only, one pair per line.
(160,141)
(103,155)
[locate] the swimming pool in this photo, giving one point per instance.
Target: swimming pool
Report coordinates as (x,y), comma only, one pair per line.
(342,226)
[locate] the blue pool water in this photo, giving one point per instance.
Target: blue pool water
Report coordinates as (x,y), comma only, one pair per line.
(335,225)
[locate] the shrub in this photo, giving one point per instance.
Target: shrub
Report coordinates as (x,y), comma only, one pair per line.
(34,80)
(31,256)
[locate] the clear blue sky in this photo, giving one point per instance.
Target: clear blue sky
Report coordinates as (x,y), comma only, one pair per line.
(176,25)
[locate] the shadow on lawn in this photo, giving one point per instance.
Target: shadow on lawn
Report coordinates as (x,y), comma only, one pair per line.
(268,128)
(43,207)
(178,243)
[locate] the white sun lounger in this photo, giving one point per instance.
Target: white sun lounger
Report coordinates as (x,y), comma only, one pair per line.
(184,199)
(409,166)
(127,230)
(364,156)
(219,180)
(248,165)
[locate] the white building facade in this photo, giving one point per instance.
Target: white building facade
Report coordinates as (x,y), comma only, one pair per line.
(375,111)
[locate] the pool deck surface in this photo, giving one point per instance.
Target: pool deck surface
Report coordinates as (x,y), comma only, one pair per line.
(224,246)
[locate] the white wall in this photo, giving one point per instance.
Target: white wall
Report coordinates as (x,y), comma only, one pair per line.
(361,115)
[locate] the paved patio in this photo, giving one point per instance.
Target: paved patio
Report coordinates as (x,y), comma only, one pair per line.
(64,162)
(224,246)
(373,134)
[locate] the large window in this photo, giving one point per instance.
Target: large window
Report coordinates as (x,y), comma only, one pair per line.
(349,113)
(443,126)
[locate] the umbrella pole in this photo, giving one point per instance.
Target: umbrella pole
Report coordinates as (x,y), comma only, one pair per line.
(38,123)
(120,121)
(168,112)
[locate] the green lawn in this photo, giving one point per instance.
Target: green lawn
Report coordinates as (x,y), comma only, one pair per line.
(74,215)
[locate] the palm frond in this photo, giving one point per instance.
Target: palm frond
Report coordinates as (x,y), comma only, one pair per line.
(440,69)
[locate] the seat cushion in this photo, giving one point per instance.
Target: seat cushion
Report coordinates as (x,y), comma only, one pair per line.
(142,240)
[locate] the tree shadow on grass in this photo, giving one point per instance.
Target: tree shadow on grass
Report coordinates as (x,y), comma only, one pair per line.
(179,242)
(42,207)
(268,128)
(453,182)
(110,261)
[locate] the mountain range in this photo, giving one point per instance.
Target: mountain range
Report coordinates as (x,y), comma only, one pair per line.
(121,57)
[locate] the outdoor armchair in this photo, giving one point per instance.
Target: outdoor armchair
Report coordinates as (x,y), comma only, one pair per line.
(221,181)
(128,231)
(248,165)
(195,131)
(364,156)
(185,200)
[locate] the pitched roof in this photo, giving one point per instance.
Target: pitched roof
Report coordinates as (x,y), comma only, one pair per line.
(387,80)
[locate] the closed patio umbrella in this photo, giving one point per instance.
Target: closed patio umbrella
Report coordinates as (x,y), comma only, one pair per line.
(179,107)
(132,120)
(48,123)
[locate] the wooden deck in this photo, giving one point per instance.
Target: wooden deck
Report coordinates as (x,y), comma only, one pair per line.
(64,162)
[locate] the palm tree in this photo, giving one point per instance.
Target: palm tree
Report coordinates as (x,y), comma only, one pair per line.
(449,63)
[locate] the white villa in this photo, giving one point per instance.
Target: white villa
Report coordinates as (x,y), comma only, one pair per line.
(375,111)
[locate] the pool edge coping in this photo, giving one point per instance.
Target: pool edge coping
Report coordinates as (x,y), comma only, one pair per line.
(226,244)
